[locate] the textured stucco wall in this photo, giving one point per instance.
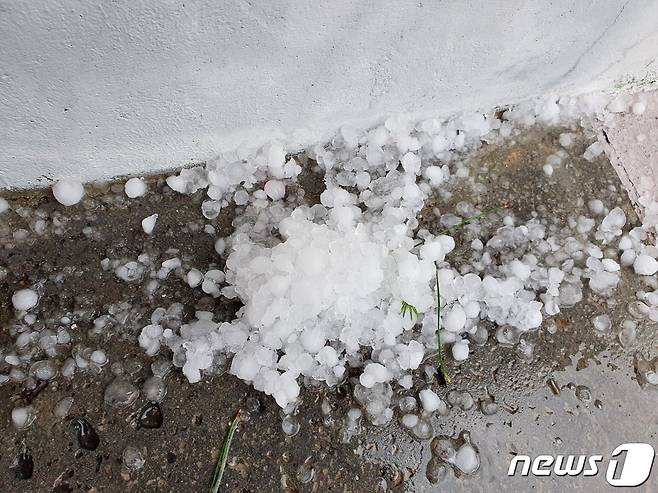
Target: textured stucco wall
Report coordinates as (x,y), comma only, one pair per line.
(97,89)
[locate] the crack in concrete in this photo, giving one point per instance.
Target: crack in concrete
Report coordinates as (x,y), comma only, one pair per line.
(595,42)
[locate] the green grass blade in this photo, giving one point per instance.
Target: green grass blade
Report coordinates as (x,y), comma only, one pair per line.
(223,454)
(443,374)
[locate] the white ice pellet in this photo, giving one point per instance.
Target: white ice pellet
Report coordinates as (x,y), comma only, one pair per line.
(596,207)
(409,420)
(548,170)
(625,243)
(194,278)
(220,245)
(4,205)
(22,417)
(566,139)
(638,108)
(431,402)
(610,265)
(24,299)
(467,460)
(645,265)
(411,163)
(62,408)
(460,350)
(627,258)
(99,357)
(148,223)
(454,319)
(135,187)
(593,151)
(372,374)
(68,192)
(585,224)
(619,104)
(275,189)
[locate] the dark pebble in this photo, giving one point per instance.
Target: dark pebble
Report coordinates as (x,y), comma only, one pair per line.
(151,416)
(23,464)
(62,488)
(85,433)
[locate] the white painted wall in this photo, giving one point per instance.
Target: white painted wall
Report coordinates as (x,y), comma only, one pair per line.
(97,89)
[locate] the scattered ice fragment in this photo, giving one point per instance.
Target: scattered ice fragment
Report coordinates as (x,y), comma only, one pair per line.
(602,323)
(120,392)
(612,224)
(62,408)
(467,459)
(638,108)
(372,374)
(593,151)
(596,207)
(99,357)
(135,187)
(454,319)
(4,205)
(460,350)
(133,458)
(22,417)
(566,139)
(68,192)
(432,402)
(24,299)
(645,265)
(130,271)
(409,420)
(275,189)
(194,278)
(154,389)
(220,245)
(290,425)
(148,223)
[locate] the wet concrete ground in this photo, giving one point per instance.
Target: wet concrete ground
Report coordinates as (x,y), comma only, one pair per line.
(600,403)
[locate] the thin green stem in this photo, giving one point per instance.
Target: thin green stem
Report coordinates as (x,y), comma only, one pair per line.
(220,467)
(443,374)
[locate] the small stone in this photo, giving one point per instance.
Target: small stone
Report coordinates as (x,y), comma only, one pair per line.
(151,416)
(85,433)
(23,464)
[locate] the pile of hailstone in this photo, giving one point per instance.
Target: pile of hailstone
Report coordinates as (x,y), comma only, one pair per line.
(324,293)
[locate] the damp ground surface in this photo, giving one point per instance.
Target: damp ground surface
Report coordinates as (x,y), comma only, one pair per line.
(578,394)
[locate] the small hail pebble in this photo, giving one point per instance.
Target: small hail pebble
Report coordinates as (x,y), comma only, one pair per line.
(275,189)
(22,417)
(24,299)
(645,265)
(68,192)
(548,170)
(460,350)
(194,278)
(566,139)
(135,187)
(98,357)
(220,245)
(148,223)
(638,108)
(431,402)
(467,459)
(596,207)
(4,206)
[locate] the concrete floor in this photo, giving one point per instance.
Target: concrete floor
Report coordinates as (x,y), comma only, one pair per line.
(531,419)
